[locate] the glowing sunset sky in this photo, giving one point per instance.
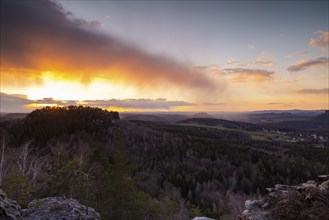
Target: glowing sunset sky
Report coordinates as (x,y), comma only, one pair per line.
(165,55)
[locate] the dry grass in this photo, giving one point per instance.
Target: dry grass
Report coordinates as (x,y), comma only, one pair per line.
(311,204)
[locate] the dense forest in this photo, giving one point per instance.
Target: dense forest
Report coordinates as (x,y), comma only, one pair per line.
(145,170)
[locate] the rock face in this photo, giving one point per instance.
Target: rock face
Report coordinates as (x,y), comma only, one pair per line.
(257,210)
(9,209)
(282,199)
(54,208)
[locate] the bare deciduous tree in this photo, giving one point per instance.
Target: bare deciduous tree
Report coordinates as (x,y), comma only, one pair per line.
(30,166)
(22,159)
(4,161)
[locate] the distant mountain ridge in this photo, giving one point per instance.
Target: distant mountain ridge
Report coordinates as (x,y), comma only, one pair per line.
(317,122)
(268,120)
(218,122)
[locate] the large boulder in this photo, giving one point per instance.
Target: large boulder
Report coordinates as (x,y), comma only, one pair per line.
(9,209)
(256,210)
(54,208)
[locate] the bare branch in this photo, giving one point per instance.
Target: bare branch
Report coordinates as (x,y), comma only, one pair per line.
(22,159)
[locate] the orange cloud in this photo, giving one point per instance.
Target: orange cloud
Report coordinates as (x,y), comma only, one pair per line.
(40,36)
(322,41)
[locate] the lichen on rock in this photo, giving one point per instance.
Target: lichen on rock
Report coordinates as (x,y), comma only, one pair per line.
(53,208)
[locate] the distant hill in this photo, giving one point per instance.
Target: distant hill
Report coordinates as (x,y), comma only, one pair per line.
(220,123)
(293,111)
(201,115)
(268,120)
(318,122)
(143,117)
(277,117)
(12,116)
(324,117)
(41,125)
(160,118)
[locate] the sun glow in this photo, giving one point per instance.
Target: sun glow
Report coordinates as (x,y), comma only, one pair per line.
(61,89)
(37,105)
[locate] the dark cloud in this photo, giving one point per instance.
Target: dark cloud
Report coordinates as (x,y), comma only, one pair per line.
(304,64)
(314,91)
(20,103)
(13,103)
(51,101)
(238,74)
(41,35)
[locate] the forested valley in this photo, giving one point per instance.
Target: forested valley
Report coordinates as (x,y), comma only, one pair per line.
(145,170)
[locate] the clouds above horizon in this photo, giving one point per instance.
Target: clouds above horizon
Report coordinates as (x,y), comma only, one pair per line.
(239,75)
(41,36)
(12,102)
(321,42)
(245,74)
(305,64)
(53,56)
(264,59)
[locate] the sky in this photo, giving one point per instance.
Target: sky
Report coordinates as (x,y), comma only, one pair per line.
(165,55)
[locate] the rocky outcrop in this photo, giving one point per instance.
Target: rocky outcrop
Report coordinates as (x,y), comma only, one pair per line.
(308,200)
(54,208)
(9,209)
(257,210)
